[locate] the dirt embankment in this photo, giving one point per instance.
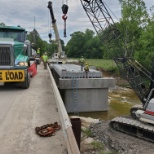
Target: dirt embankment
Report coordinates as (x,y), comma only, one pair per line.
(120,143)
(119,81)
(116,142)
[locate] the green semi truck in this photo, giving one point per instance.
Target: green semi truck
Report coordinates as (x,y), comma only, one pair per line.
(15,54)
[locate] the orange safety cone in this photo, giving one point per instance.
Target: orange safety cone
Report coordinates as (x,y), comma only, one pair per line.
(32,69)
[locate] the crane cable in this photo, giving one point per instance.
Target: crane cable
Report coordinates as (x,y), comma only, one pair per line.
(49,28)
(64,17)
(63,2)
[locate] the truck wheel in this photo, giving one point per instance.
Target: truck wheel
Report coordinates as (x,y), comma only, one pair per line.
(26,83)
(39,61)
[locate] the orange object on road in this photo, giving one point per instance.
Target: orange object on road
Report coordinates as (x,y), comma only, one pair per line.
(32,69)
(48,130)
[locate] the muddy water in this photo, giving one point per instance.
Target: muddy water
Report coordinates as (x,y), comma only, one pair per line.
(119,103)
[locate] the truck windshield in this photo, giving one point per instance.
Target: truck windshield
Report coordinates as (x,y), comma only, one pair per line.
(16,35)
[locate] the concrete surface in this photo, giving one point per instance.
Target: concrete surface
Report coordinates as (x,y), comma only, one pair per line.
(86,94)
(87,83)
(91,100)
(22,110)
(74,71)
(82,94)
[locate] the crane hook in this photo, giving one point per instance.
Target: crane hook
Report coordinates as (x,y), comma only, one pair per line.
(64,17)
(50,35)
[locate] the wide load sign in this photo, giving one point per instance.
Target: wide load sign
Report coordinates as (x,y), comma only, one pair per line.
(12,75)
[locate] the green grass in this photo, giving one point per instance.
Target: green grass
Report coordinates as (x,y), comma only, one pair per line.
(87,132)
(97,145)
(106,64)
(102,63)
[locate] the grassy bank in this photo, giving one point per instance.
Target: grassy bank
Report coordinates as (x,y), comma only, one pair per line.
(108,67)
(104,64)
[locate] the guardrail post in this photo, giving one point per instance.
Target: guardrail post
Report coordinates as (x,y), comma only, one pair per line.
(76,126)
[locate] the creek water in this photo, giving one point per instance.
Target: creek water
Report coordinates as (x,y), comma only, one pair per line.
(120,100)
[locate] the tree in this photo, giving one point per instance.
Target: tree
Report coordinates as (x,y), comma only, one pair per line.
(75,45)
(50,48)
(133,22)
(92,48)
(34,37)
(146,53)
(84,44)
(2,24)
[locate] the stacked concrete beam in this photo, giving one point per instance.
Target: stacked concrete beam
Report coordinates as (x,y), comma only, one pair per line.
(91,93)
(74,71)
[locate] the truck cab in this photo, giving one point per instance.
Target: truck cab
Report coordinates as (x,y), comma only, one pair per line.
(15,52)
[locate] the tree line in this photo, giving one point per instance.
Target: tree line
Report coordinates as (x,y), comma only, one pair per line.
(49,47)
(136,37)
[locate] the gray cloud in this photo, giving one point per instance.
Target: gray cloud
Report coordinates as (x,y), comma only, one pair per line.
(22,12)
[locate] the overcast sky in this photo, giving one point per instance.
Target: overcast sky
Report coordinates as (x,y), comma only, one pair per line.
(23,13)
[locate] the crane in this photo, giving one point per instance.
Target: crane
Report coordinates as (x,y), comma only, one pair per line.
(60,56)
(141,122)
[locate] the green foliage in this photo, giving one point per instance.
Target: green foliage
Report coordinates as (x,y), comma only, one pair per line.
(133,22)
(109,153)
(97,145)
(146,54)
(84,44)
(2,24)
(105,64)
(74,46)
(87,132)
(136,39)
(50,48)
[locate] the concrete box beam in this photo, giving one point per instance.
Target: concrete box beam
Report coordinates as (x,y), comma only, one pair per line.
(74,71)
(86,83)
(87,95)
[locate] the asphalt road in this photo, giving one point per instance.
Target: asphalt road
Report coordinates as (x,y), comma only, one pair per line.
(22,110)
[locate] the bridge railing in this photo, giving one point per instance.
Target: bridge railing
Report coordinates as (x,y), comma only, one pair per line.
(72,146)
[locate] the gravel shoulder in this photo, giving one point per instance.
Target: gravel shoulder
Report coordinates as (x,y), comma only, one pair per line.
(121,143)
(116,142)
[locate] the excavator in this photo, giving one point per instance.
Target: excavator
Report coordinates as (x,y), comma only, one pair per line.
(140,123)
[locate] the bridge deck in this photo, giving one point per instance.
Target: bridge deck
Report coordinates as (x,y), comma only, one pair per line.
(27,109)
(74,71)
